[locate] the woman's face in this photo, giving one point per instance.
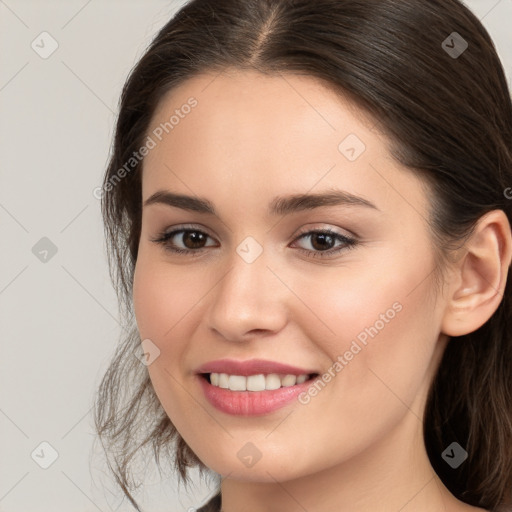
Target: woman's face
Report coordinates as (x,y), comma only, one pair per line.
(356,306)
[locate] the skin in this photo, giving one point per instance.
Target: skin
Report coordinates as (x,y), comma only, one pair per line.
(358,444)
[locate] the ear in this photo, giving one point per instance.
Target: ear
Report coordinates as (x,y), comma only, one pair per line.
(480,276)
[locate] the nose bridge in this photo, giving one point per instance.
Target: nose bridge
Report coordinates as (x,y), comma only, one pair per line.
(247,298)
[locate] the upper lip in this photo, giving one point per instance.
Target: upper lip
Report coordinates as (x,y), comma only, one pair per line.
(250,367)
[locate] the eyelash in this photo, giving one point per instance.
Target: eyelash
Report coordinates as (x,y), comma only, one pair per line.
(348,242)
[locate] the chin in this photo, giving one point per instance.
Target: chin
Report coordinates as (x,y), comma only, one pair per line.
(265,470)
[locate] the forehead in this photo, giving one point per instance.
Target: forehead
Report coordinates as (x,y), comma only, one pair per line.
(249,99)
(257,133)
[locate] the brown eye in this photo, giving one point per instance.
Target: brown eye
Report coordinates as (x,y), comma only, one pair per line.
(322,241)
(184,241)
(325,243)
(193,239)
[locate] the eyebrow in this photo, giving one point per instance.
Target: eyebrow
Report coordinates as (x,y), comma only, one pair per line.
(281,205)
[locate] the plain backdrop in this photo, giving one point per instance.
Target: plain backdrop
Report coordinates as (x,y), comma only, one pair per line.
(58,310)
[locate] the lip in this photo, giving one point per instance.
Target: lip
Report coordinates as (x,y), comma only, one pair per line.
(251,403)
(251,367)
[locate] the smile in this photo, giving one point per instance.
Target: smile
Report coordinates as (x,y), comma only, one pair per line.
(258,382)
(254,394)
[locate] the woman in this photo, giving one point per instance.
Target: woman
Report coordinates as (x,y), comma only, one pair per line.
(309,229)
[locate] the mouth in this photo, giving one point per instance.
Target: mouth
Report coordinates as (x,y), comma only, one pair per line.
(253,395)
(256,383)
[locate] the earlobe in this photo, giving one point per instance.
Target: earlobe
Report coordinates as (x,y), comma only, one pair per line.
(481,275)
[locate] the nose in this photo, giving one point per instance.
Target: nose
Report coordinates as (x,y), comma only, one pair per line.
(248,300)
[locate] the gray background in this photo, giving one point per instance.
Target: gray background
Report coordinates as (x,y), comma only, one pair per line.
(58,318)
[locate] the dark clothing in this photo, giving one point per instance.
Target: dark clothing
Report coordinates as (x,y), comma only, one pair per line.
(212,506)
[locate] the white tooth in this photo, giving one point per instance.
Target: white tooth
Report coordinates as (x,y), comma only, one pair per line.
(272,381)
(237,383)
(256,382)
(223,380)
(288,380)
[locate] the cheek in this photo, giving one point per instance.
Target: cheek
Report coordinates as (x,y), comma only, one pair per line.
(162,297)
(164,304)
(379,328)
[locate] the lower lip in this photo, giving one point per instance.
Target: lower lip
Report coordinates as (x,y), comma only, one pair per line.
(251,403)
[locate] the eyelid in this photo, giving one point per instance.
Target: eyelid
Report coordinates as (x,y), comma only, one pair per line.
(304,230)
(335,231)
(186,227)
(170,232)
(349,241)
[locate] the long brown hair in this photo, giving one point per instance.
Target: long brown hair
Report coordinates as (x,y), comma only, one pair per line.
(448,117)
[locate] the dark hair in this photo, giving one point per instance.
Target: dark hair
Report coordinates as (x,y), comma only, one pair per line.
(447,117)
